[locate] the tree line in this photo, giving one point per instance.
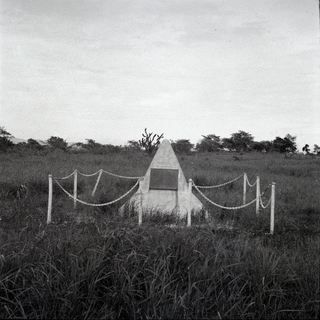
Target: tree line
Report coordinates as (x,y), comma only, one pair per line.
(240,141)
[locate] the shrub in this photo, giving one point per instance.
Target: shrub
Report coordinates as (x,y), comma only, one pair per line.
(182,146)
(5,144)
(57,143)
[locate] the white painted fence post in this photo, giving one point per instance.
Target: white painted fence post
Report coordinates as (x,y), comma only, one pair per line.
(75,188)
(140,204)
(96,185)
(244,188)
(49,199)
(189,203)
(272,206)
(257,195)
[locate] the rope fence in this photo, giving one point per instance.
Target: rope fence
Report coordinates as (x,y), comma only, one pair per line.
(257,200)
(119,176)
(219,185)
(261,201)
(264,206)
(87,174)
(248,182)
(223,207)
(96,204)
(74,196)
(68,176)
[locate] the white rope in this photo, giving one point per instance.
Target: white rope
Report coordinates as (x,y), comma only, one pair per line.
(88,174)
(95,173)
(260,198)
(249,184)
(119,176)
(95,204)
(219,185)
(67,177)
(223,207)
(261,203)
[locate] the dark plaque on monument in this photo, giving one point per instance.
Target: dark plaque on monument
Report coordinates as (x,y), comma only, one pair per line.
(164,179)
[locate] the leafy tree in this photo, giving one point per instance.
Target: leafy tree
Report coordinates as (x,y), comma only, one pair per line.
(261,146)
(92,144)
(228,143)
(267,145)
(257,146)
(279,145)
(316,149)
(110,148)
(98,148)
(209,143)
(306,149)
(95,147)
(4,132)
(134,145)
(57,143)
(291,142)
(34,144)
(242,140)
(150,141)
(5,142)
(286,144)
(182,146)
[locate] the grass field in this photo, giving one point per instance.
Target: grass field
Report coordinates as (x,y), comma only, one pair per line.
(94,263)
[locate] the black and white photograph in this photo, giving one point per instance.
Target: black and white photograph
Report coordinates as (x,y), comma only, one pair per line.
(160,159)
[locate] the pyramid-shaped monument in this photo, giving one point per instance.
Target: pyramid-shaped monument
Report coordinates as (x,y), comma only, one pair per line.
(164,187)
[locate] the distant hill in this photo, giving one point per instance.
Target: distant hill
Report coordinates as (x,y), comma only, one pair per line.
(41,142)
(18,140)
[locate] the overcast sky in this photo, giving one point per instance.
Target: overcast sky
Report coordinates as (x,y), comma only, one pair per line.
(106,69)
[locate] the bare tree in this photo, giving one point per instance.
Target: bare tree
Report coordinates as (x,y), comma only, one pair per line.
(150,141)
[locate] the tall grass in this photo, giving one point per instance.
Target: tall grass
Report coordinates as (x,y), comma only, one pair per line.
(95,263)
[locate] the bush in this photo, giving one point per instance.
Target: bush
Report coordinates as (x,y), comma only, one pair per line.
(182,146)
(57,143)
(5,144)
(209,143)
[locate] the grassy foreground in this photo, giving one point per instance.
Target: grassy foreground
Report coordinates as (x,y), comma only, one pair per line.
(98,264)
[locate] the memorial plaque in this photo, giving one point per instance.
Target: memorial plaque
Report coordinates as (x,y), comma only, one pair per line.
(164,179)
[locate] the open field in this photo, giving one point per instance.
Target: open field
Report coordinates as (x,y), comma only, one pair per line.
(93,263)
